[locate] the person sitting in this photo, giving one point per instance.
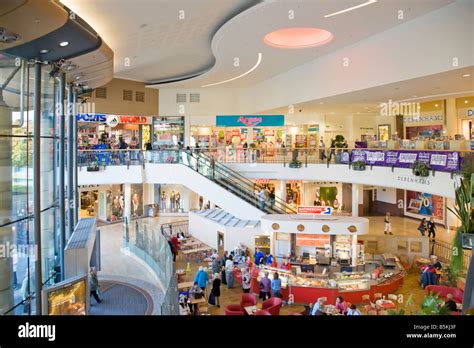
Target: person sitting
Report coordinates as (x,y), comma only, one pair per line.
(450,304)
(195,293)
(341,305)
(353,310)
(317,307)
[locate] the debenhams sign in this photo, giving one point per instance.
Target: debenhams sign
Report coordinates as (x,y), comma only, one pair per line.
(414,179)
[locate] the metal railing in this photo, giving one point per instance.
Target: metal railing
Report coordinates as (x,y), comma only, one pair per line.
(175,227)
(444,252)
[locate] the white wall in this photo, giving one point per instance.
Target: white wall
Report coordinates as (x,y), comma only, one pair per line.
(387,195)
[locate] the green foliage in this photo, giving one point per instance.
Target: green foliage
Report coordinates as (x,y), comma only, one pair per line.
(338,141)
(420,168)
(358,165)
(463,207)
(433,305)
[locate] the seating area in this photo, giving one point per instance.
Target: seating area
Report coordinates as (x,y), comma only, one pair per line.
(248,306)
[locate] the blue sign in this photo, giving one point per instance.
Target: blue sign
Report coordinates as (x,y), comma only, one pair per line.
(99,118)
(250,120)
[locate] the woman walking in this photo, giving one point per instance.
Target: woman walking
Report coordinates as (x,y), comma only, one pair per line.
(216,289)
(423,227)
(94,284)
(388,224)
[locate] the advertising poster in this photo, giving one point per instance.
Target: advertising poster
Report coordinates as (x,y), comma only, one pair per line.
(68,300)
(424,205)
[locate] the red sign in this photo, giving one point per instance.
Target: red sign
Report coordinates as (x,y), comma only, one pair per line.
(311,210)
(134,119)
(250,121)
(262,181)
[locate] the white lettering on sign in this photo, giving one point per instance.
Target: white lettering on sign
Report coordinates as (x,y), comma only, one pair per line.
(439,160)
(375,156)
(407,157)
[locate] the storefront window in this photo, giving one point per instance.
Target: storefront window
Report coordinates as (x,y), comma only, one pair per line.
(168,131)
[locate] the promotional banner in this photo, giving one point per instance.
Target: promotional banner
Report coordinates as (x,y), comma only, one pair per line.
(443,161)
(424,205)
(312,210)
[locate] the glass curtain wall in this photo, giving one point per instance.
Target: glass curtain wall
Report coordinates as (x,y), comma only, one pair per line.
(18,248)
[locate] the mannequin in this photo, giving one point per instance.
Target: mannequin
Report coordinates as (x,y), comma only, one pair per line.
(177,199)
(172,201)
(163,201)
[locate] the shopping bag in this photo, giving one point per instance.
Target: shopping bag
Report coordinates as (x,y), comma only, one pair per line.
(212,299)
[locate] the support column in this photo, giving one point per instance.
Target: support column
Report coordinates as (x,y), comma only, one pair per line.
(354,250)
(62,155)
(37,186)
(127,197)
(355,199)
(74,159)
(283,190)
(70,164)
(187,130)
(451,117)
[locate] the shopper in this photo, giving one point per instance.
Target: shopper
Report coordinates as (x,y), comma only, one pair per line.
(353,310)
(94,284)
(332,150)
(276,285)
(316,310)
(261,198)
(258,257)
(123,146)
(269,259)
(423,227)
(195,293)
(201,202)
(196,277)
(216,290)
(388,224)
(215,264)
(336,205)
(246,278)
(203,278)
(322,149)
(450,304)
(175,242)
(272,198)
(341,305)
(223,260)
(265,287)
(431,228)
(229,269)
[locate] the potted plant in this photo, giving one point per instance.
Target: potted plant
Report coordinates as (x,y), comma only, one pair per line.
(420,168)
(294,160)
(93,167)
(433,305)
(358,165)
(339,142)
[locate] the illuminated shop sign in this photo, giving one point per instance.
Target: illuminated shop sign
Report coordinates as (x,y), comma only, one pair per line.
(429,118)
(313,210)
(250,120)
(124,119)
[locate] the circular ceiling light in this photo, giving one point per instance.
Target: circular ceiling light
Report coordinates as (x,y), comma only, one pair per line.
(295,38)
(63,44)
(44,51)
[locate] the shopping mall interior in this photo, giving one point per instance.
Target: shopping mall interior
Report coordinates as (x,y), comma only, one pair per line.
(237,158)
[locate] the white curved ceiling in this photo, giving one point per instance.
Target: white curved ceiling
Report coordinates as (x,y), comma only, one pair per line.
(160,45)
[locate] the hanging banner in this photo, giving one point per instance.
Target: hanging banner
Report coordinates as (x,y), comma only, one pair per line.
(313,210)
(250,120)
(443,161)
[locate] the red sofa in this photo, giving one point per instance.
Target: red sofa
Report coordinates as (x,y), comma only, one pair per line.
(233,309)
(444,290)
(272,305)
(247,300)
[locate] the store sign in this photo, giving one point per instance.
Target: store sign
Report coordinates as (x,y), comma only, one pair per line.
(313,210)
(262,181)
(443,161)
(414,179)
(104,118)
(429,118)
(250,120)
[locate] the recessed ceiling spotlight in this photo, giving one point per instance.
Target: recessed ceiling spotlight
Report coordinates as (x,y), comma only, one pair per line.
(350,8)
(78,77)
(466,101)
(436,105)
(414,96)
(44,51)
(466,75)
(63,43)
(321,103)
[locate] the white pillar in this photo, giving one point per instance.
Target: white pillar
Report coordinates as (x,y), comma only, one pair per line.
(355,199)
(283,190)
(354,250)
(127,196)
(187,130)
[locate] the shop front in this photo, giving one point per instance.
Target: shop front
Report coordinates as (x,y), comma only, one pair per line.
(327,259)
(96,129)
(168,132)
(265,132)
(174,199)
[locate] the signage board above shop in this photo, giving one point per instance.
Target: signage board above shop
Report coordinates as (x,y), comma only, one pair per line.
(314,210)
(250,120)
(122,119)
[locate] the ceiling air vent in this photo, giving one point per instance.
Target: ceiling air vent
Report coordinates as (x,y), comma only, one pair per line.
(180,97)
(140,96)
(127,95)
(194,97)
(101,92)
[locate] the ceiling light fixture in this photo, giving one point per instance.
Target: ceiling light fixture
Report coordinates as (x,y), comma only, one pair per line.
(466,75)
(63,43)
(259,60)
(436,105)
(44,51)
(297,38)
(370,2)
(466,101)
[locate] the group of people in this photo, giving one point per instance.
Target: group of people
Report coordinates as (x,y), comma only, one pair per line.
(342,307)
(425,227)
(266,195)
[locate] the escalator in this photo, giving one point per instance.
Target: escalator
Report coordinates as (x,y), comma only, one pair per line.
(233,182)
